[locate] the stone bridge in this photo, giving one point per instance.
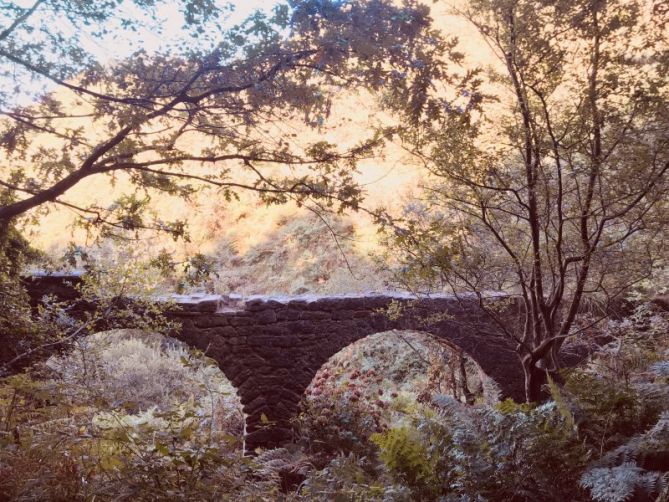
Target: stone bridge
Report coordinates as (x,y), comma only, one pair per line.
(271,347)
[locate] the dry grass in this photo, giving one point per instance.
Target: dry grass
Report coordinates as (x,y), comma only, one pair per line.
(137,371)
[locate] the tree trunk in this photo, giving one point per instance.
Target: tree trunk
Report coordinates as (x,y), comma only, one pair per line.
(535,378)
(469,396)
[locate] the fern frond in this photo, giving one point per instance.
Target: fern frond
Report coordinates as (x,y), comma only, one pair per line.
(612,484)
(561,403)
(271,463)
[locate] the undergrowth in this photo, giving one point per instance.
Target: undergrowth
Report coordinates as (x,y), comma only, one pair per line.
(132,415)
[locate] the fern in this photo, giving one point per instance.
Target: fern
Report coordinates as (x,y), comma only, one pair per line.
(561,403)
(273,463)
(628,470)
(621,483)
(660,369)
(403,452)
(661,429)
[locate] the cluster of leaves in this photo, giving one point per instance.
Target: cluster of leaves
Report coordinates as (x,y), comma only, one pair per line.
(119,293)
(342,418)
(351,398)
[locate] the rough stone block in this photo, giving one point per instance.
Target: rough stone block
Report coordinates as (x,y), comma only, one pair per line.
(273,341)
(350,303)
(300,327)
(316,315)
(379,322)
(276,330)
(255,304)
(241,321)
(208,305)
(259,435)
(323,304)
(222,331)
(287,315)
(263,303)
(282,360)
(211,321)
(342,314)
(265,317)
(267,352)
(255,405)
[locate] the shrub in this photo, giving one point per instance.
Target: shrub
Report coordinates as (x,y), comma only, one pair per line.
(135,370)
(478,453)
(622,483)
(125,416)
(339,420)
(349,478)
(19,332)
(351,398)
(621,402)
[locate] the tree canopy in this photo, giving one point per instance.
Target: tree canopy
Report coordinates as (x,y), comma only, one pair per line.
(135,116)
(558,192)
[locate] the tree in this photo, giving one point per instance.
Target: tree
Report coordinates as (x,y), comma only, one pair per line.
(557,192)
(207,110)
(135,117)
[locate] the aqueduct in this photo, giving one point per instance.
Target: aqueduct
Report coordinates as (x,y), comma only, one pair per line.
(272,347)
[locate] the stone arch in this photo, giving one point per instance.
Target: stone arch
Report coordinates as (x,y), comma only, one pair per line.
(270,348)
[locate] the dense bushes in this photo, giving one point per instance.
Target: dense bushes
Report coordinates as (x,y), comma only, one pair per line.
(18,330)
(124,416)
(509,453)
(603,436)
(373,384)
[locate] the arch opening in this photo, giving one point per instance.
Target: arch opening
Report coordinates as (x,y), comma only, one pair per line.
(148,383)
(381,381)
